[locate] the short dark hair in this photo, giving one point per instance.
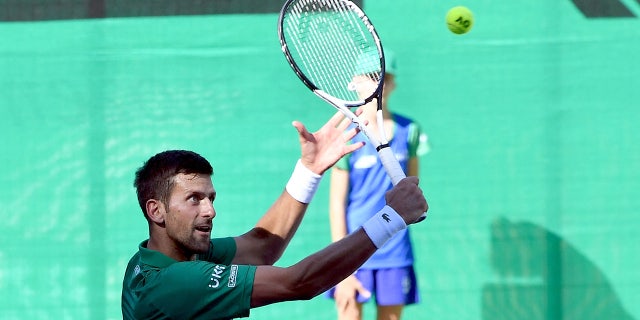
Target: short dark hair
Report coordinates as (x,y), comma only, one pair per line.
(155,179)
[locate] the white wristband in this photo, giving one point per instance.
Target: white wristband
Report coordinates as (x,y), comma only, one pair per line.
(303,183)
(383,225)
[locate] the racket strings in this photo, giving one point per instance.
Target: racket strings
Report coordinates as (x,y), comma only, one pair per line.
(331,43)
(312,51)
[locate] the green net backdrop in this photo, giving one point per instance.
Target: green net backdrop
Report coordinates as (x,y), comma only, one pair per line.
(532,177)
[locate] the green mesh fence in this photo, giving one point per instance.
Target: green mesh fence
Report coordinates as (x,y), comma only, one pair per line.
(532,178)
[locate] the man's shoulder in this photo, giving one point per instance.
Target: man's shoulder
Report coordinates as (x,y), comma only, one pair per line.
(129,298)
(132,266)
(134,258)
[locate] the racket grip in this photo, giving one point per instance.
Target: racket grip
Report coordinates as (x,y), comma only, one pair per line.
(391,165)
(394,170)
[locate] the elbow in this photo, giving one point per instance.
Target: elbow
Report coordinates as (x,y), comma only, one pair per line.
(270,258)
(271,253)
(268,247)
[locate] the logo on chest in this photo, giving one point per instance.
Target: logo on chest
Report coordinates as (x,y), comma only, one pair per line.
(216,275)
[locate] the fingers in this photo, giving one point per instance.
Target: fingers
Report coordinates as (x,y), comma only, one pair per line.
(299,126)
(363,291)
(354,146)
(321,149)
(342,304)
(351,133)
(344,123)
(302,130)
(359,112)
(407,199)
(339,122)
(336,120)
(410,180)
(345,299)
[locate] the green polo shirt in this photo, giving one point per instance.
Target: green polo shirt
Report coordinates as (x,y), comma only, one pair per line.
(158,287)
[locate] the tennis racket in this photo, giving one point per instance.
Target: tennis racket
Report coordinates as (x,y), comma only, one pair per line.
(334,49)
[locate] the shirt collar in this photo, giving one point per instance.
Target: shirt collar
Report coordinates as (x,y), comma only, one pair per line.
(154,258)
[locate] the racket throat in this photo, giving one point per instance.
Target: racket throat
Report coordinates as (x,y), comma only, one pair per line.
(335,101)
(382,146)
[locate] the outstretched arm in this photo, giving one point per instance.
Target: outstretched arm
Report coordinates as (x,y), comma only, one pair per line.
(324,269)
(265,243)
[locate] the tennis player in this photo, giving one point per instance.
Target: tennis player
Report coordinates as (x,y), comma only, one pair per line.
(180,272)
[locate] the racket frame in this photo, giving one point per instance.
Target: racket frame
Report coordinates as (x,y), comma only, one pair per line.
(388,159)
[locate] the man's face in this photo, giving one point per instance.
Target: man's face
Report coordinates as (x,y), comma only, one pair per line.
(190,212)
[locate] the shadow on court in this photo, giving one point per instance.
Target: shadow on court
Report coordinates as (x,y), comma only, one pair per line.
(541,276)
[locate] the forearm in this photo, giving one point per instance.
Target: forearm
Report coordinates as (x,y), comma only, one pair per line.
(327,267)
(281,221)
(283,218)
(314,274)
(265,243)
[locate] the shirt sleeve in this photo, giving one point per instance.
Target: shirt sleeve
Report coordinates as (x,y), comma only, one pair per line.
(418,141)
(198,290)
(221,250)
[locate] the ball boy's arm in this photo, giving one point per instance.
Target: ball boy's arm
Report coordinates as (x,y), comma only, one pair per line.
(338,192)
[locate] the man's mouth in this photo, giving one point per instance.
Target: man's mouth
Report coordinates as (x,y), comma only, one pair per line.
(204,228)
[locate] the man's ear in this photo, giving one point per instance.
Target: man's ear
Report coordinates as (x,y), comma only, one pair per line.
(156,211)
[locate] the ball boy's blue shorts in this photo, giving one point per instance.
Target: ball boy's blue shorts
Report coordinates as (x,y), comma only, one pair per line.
(392,286)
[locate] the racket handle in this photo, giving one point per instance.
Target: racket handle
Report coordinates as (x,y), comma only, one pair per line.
(394,170)
(391,165)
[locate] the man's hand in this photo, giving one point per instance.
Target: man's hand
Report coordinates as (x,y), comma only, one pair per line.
(407,199)
(323,148)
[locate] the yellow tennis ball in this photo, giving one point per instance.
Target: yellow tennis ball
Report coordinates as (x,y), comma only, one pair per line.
(459,20)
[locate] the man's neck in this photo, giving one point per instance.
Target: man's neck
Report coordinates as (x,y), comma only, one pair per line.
(167,247)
